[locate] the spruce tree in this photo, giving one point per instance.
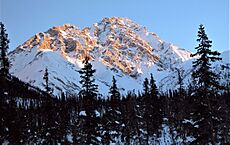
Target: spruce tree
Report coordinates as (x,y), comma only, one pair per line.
(89,88)
(204,98)
(89,119)
(46,79)
(146,87)
(153,87)
(152,113)
(180,82)
(205,78)
(156,106)
(4,63)
(112,118)
(114,92)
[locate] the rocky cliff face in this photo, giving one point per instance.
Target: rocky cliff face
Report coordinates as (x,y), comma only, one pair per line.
(116,46)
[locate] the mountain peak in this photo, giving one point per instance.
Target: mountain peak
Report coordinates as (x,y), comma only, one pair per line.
(64,27)
(118,20)
(116,45)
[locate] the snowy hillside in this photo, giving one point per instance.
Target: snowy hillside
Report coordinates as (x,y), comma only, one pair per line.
(116,46)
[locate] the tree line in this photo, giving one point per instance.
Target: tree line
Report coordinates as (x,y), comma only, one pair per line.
(195,114)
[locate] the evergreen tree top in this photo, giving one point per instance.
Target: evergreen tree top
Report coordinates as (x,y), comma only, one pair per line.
(153,86)
(46,79)
(3,37)
(204,44)
(146,86)
(115,94)
(88,82)
(202,66)
(4,63)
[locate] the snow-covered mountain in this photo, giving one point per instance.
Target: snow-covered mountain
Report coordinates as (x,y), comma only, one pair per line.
(116,46)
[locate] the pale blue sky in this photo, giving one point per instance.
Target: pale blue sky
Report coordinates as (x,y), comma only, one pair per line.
(174,21)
